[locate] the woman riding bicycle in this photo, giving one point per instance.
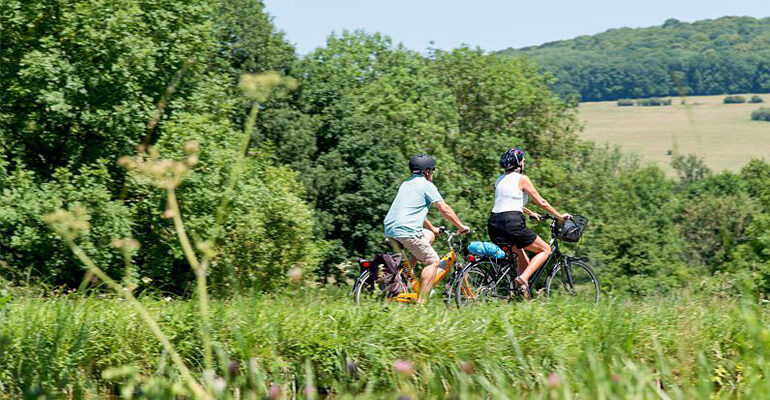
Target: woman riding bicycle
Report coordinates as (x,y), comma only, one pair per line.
(506,222)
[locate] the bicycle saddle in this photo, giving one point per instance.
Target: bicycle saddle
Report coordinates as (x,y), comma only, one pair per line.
(393,244)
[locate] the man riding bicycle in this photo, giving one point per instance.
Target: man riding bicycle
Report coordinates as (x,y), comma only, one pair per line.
(407,220)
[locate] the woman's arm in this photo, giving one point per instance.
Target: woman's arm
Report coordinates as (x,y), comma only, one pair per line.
(531,213)
(529,188)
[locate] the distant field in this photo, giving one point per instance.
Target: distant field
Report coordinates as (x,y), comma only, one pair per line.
(722,134)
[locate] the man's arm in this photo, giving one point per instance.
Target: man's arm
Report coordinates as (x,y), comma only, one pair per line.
(449,214)
(427,225)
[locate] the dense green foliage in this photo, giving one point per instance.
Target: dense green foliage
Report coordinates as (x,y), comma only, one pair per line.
(756,99)
(87,82)
(695,346)
(762,114)
(725,55)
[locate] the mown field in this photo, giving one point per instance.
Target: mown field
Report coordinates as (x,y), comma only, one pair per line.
(722,134)
(315,343)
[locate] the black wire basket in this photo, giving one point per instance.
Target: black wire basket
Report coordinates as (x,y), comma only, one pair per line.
(572,229)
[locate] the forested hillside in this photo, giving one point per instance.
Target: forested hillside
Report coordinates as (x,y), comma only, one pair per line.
(86,83)
(725,55)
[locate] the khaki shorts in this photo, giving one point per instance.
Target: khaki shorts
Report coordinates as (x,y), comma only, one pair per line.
(420,247)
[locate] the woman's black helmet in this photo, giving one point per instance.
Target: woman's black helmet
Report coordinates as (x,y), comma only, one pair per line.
(512,159)
(419,163)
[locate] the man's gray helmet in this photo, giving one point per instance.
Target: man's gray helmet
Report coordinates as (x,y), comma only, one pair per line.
(419,163)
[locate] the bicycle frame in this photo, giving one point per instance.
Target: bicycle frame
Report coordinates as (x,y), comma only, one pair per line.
(556,255)
(370,271)
(449,259)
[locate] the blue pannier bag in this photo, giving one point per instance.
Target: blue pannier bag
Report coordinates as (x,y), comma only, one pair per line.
(486,249)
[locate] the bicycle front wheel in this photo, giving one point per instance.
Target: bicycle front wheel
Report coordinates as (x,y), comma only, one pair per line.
(480,282)
(575,280)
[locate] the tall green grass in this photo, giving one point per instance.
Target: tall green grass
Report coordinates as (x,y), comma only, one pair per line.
(278,346)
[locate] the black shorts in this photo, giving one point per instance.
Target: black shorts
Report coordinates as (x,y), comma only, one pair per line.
(509,228)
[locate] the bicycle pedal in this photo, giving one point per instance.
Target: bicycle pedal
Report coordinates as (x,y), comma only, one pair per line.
(404,297)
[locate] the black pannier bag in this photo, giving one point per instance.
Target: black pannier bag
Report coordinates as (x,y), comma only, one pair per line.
(391,282)
(572,229)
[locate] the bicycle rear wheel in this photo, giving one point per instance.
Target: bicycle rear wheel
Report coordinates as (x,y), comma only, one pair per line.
(480,282)
(365,290)
(574,280)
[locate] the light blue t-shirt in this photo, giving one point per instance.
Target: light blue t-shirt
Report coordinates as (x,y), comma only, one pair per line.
(410,207)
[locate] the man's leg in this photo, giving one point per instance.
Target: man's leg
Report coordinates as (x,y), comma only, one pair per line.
(428,275)
(421,249)
(431,237)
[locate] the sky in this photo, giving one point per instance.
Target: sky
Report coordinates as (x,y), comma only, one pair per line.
(489,24)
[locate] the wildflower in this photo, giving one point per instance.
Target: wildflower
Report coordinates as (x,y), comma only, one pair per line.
(274,392)
(232,368)
(467,367)
(553,380)
(146,280)
(260,86)
(219,385)
(295,274)
(310,392)
(404,368)
(167,298)
(127,244)
(192,147)
(69,224)
(351,367)
(191,161)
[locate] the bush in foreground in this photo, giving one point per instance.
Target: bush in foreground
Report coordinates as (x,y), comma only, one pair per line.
(756,99)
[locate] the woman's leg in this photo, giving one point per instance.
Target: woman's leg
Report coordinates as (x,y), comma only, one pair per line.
(542,251)
(522,260)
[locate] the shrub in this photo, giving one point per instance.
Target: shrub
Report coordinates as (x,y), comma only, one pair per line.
(734,100)
(756,99)
(30,249)
(762,114)
(625,103)
(654,101)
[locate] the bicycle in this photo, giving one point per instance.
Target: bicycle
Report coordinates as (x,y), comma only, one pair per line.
(370,284)
(489,279)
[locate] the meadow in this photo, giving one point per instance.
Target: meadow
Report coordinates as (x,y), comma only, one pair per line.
(722,134)
(310,343)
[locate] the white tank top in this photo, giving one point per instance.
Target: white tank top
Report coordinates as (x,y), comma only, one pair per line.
(508,194)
